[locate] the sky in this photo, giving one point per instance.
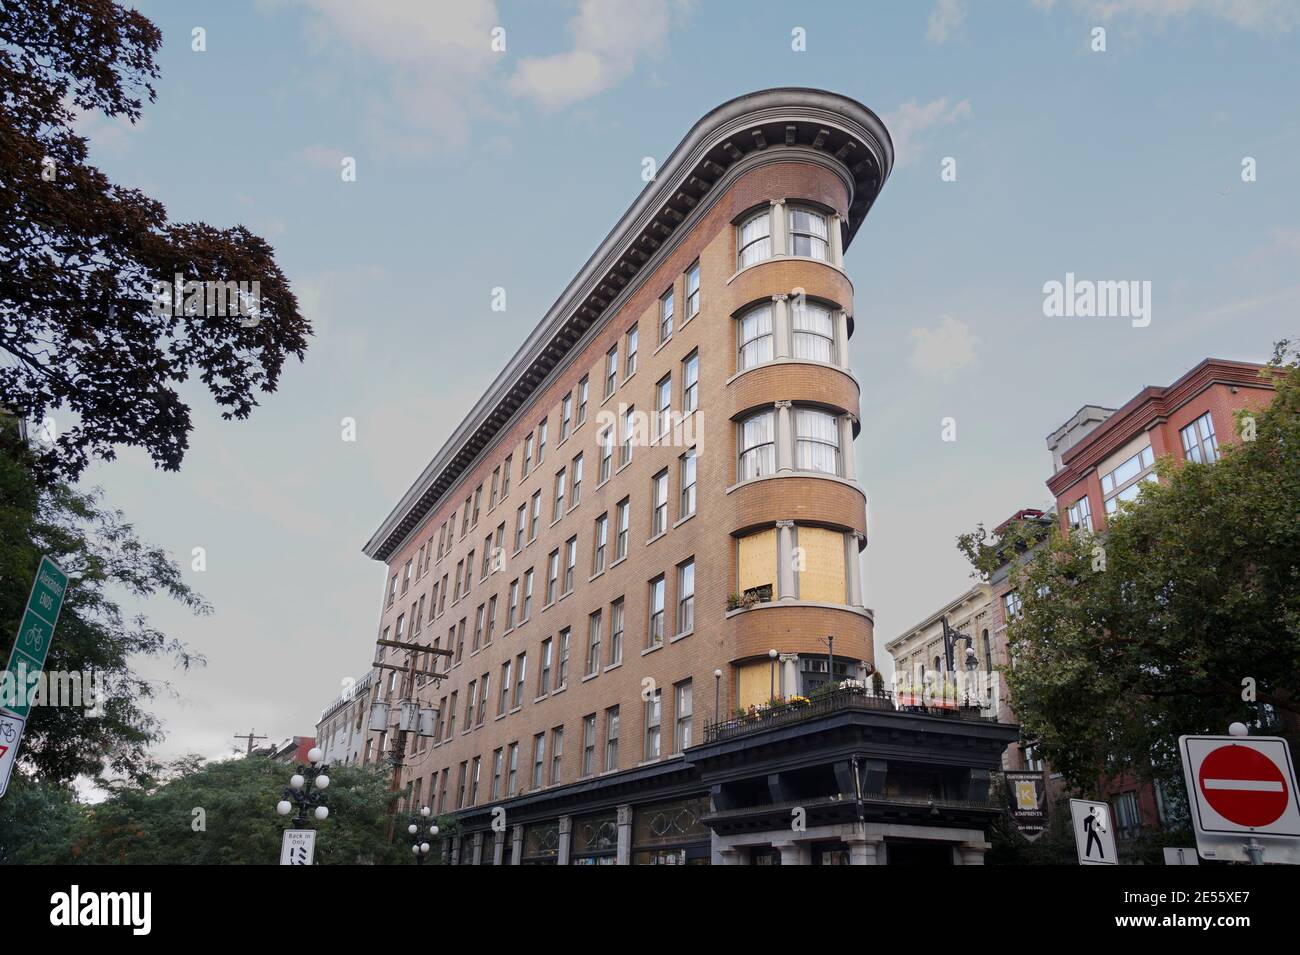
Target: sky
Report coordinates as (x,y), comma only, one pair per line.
(478,169)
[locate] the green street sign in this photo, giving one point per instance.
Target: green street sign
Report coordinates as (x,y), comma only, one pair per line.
(35,633)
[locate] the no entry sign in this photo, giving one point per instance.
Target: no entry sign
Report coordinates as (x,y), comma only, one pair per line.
(1242,788)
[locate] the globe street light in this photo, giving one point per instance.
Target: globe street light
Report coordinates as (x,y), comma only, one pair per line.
(306,791)
(421,831)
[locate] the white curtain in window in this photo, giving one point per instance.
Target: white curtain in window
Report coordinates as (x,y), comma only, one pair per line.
(755,240)
(756,337)
(814,332)
(817,441)
(758,448)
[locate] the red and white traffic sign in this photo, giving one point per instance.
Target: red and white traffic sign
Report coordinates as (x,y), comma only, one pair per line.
(1242,787)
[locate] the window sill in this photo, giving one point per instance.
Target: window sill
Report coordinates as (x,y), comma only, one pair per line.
(599,573)
(590,676)
(560,689)
(538,699)
(681,636)
(613,666)
(662,345)
(682,520)
(786,257)
(648,650)
(515,710)
(656,537)
(617,562)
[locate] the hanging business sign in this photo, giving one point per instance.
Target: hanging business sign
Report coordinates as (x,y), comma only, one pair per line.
(1027,802)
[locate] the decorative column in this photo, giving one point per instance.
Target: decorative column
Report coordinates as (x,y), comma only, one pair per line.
(785,582)
(841,318)
(455,850)
(781,347)
(566,830)
(791,853)
(625,835)
(517,846)
(780,242)
(476,852)
(847,465)
(784,436)
(972,853)
(789,674)
(499,847)
(854,565)
(837,242)
(864,849)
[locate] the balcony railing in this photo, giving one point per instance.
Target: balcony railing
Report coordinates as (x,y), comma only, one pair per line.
(844,699)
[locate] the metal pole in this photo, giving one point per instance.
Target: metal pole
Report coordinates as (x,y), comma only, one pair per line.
(830,658)
(1255,850)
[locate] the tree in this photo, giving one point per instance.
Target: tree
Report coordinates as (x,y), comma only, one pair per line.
(1182,618)
(40,822)
(103,555)
(84,259)
(223,813)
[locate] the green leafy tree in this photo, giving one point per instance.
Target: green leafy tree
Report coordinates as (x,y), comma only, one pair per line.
(40,822)
(1182,618)
(82,256)
(223,813)
(104,557)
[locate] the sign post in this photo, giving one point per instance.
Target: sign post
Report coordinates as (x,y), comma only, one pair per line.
(27,660)
(1094,836)
(1242,791)
(298,847)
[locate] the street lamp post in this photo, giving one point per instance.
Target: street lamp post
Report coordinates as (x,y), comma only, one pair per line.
(419,835)
(771,693)
(717,696)
(306,790)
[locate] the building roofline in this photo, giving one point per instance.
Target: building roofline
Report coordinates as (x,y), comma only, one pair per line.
(976,589)
(1144,409)
(813,125)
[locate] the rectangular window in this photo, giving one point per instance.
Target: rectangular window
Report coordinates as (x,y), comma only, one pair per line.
(682,707)
(616,632)
(552,575)
(1124,482)
(691,383)
(469,571)
(544,675)
(473,780)
(460,785)
(512,769)
(1080,515)
(686,597)
(663,406)
(561,489)
(583,388)
(521,674)
(666,316)
(606,442)
(494,493)
(566,415)
(464,517)
(487,557)
(471,700)
(503,692)
(570,563)
(655,628)
(539,759)
(629,368)
(557,753)
(693,291)
(460,575)
(599,543)
(1199,443)
(652,717)
(478,500)
(589,744)
(541,440)
(491,619)
(527,464)
(505,474)
(513,607)
(406,578)
(808,233)
(611,371)
(496,774)
(460,639)
(562,663)
(479,617)
(620,528)
(576,492)
(659,503)
(482,699)
(451,717)
(757,446)
(755,338)
(625,443)
(520,527)
(611,739)
(813,331)
(817,441)
(535,521)
(593,643)
(686,499)
(528,595)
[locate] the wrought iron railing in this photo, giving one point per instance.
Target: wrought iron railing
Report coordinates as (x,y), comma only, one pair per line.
(834,701)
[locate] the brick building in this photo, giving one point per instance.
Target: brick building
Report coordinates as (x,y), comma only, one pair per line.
(344,730)
(647,527)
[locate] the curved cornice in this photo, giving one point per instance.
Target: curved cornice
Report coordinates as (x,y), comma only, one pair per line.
(789,123)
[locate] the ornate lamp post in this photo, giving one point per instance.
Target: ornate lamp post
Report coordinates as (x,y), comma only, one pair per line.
(306,790)
(420,836)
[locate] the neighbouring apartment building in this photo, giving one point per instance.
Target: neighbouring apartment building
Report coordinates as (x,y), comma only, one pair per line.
(648,526)
(343,732)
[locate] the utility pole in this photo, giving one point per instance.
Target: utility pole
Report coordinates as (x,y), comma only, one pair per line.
(249,737)
(406,697)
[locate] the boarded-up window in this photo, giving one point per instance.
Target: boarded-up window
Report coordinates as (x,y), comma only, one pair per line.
(757,564)
(821,570)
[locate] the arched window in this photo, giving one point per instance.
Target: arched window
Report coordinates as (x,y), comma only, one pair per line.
(817,441)
(755,239)
(757,446)
(755,337)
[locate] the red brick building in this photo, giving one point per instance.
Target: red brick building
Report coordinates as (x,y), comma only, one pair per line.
(649,525)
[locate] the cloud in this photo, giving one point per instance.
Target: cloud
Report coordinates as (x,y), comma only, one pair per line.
(1260,16)
(944,19)
(608,40)
(943,350)
(910,122)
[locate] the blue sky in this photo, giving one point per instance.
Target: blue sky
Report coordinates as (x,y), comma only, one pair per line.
(478,169)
